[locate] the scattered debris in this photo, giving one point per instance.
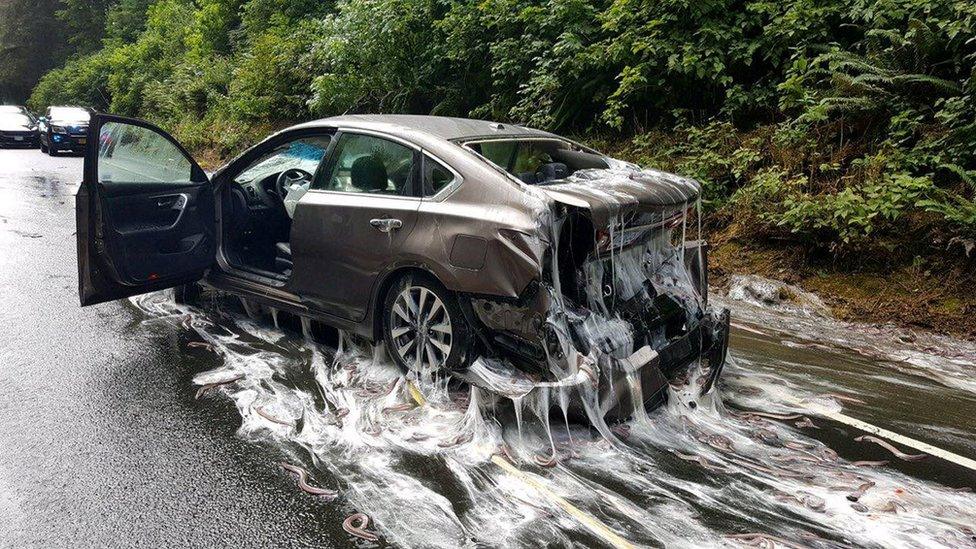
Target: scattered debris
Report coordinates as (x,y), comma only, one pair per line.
(200,345)
(504,452)
(765,292)
(699,460)
(457,441)
(768,415)
(890,507)
(869,463)
(418,437)
(399,408)
(806,423)
(621,430)
(842,398)
(261,412)
(762,540)
(545,461)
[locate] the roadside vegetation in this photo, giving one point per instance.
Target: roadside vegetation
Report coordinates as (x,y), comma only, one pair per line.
(836,139)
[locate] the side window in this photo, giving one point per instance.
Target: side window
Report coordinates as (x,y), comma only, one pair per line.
(436,176)
(304,154)
(133,154)
(368,164)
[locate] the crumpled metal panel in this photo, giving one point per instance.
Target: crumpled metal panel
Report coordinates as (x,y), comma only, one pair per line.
(607,193)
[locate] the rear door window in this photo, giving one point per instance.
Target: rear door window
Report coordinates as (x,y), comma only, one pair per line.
(369,164)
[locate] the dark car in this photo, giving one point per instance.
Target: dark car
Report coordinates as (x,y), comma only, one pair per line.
(510,257)
(17,129)
(64,129)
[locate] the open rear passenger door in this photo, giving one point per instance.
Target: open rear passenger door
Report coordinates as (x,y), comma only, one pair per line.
(145,212)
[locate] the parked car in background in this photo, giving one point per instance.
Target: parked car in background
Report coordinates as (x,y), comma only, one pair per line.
(16,109)
(64,129)
(17,129)
(448,239)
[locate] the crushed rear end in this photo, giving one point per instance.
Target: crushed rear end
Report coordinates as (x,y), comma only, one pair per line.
(621,309)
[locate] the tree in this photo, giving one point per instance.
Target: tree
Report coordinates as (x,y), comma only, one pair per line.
(26,48)
(84,23)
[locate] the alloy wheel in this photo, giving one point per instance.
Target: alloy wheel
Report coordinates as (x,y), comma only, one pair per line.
(420,328)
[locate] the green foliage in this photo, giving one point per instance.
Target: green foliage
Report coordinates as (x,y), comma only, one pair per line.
(81,81)
(84,23)
(854,213)
(379,55)
(28,45)
(273,79)
(125,20)
(827,122)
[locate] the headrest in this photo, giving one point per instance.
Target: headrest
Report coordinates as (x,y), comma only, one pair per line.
(368,174)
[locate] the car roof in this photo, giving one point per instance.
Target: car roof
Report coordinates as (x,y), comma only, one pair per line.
(443,127)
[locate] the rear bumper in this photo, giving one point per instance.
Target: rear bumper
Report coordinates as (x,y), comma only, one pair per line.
(709,342)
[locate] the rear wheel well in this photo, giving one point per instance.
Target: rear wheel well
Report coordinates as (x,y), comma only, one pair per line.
(391,279)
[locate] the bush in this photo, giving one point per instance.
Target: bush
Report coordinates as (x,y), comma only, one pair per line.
(825,122)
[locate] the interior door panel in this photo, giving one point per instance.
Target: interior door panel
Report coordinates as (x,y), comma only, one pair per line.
(159,234)
(145,212)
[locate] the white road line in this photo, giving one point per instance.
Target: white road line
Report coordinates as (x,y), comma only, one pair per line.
(898,438)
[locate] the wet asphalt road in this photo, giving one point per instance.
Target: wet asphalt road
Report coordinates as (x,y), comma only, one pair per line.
(101,442)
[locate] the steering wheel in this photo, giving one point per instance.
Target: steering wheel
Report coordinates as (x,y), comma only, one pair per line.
(288,178)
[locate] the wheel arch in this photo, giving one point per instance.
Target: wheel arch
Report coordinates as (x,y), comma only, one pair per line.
(384,285)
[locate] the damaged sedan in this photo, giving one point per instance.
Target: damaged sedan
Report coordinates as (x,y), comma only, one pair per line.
(511,258)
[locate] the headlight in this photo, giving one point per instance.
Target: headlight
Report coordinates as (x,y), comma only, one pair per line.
(59,129)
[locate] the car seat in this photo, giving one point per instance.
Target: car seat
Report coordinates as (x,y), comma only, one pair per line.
(368,174)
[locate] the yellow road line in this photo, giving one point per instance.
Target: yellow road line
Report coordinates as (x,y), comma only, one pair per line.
(588,521)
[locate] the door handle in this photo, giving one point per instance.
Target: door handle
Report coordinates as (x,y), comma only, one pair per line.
(171,202)
(387,224)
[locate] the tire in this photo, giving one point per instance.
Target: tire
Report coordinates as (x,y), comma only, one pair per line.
(437,316)
(51,151)
(43,148)
(187,294)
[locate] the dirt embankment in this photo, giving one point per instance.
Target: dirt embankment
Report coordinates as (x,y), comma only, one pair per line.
(933,292)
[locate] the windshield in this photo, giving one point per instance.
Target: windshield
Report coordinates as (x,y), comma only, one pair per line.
(73,114)
(14,120)
(537,161)
(304,154)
